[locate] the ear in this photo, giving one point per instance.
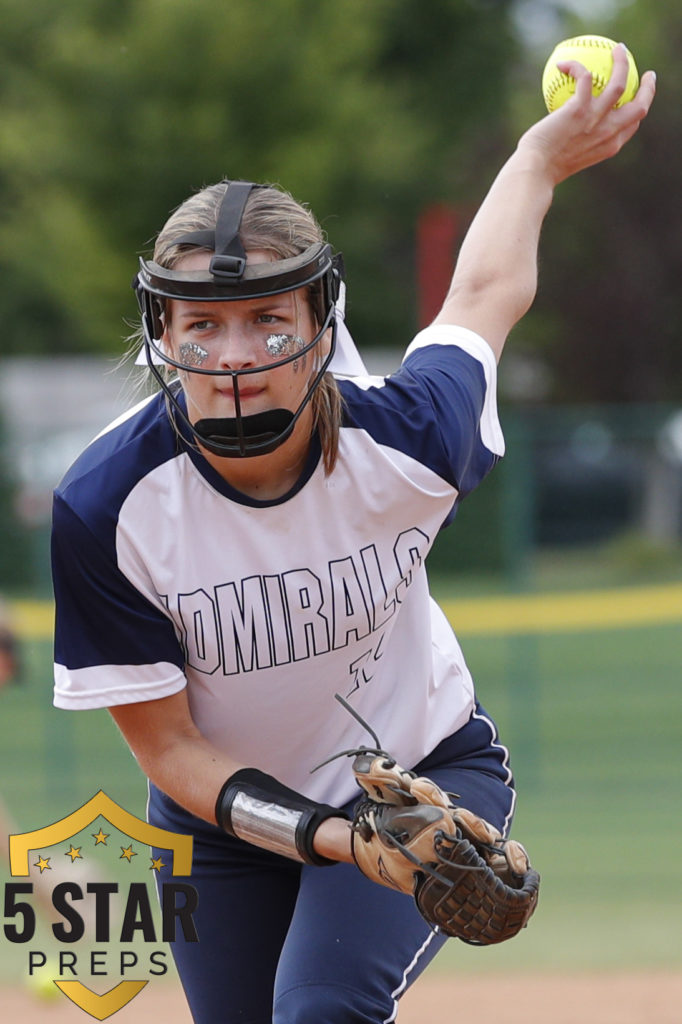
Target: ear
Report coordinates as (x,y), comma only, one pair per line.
(157,316)
(164,321)
(325,343)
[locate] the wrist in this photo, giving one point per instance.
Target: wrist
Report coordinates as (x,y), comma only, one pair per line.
(332,840)
(534,160)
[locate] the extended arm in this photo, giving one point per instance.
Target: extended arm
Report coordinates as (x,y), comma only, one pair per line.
(495,279)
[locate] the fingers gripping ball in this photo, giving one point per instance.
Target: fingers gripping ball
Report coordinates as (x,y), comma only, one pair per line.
(465,879)
(596,54)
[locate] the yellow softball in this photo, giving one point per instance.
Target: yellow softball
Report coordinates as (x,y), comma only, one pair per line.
(596,54)
(42,985)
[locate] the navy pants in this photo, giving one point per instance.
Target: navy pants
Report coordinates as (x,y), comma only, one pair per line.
(281,943)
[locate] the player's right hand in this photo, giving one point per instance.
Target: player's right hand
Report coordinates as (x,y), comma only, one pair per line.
(588,129)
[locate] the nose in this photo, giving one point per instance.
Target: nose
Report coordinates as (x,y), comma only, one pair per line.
(235,349)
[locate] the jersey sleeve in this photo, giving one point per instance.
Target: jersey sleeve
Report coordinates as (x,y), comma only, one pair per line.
(112,645)
(439,408)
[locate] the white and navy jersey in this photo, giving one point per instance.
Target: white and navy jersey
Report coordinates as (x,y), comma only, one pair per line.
(167,577)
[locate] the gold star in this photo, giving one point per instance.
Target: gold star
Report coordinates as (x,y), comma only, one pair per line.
(128,853)
(157,864)
(100,837)
(43,863)
(74,853)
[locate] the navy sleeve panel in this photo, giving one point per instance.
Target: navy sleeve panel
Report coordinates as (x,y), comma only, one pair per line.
(122,455)
(430,409)
(101,619)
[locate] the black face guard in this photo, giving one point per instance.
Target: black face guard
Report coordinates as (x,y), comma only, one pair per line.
(229,278)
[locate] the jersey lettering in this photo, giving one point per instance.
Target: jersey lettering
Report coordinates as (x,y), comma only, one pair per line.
(309,627)
(197,612)
(277,619)
(408,550)
(263,621)
(350,615)
(382,611)
(243,626)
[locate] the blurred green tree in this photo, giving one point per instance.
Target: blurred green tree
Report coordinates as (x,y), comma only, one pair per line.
(607,320)
(15,549)
(115,110)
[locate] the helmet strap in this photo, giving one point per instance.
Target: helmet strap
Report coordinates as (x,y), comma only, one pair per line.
(229,258)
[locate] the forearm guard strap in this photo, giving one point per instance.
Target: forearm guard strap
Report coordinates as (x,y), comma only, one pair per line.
(257,808)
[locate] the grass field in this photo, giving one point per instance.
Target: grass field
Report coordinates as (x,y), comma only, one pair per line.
(592,710)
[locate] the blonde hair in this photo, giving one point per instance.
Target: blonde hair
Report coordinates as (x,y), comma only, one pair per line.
(276,223)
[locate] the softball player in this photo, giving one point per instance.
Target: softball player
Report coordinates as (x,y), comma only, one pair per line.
(250,541)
